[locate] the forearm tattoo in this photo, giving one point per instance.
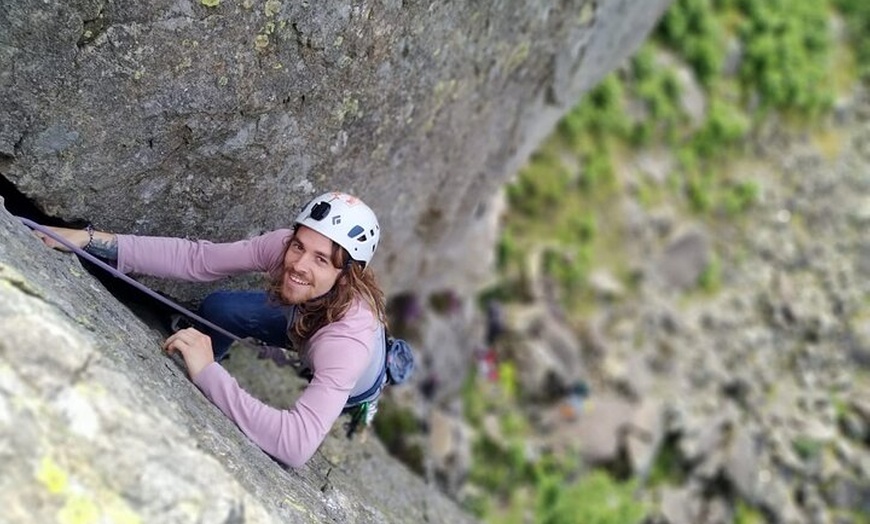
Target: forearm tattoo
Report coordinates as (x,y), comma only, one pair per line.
(105,249)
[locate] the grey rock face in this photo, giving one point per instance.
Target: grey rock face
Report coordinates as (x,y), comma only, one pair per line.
(684,259)
(176,118)
(95,420)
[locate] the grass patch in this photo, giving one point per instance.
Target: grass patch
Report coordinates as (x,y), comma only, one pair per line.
(807,448)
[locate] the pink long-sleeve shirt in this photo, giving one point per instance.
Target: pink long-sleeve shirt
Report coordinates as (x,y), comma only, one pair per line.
(339,354)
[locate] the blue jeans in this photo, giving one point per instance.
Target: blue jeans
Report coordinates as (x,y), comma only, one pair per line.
(244,314)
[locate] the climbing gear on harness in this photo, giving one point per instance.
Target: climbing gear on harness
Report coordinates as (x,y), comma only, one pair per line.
(361,415)
(400,361)
(398,367)
(260,346)
(346,220)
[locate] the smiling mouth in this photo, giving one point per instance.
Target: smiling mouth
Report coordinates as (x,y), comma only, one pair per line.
(296,280)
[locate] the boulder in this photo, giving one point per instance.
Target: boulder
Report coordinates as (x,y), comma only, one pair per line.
(686,256)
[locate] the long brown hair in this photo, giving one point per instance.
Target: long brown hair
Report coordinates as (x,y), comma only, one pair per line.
(355,280)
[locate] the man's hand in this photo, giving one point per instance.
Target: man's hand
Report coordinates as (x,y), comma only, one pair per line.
(77,237)
(194,346)
(97,243)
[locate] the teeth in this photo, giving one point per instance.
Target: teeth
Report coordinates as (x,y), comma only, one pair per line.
(297,280)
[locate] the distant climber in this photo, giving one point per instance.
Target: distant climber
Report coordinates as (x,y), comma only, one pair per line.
(494,321)
(430,384)
(486,359)
(572,403)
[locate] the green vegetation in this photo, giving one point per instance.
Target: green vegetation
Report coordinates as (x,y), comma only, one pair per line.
(500,470)
(601,116)
(474,403)
(691,27)
(857,14)
(711,278)
(667,467)
(713,78)
(807,448)
(721,134)
(542,189)
(595,499)
(512,486)
(752,60)
(393,426)
(659,91)
(746,514)
(787,47)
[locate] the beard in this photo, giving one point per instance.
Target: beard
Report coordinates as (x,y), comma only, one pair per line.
(292,291)
(297,288)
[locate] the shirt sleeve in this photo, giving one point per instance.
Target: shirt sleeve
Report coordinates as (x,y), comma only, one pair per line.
(200,261)
(339,357)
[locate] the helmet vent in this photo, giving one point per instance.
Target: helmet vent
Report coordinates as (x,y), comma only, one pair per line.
(355,231)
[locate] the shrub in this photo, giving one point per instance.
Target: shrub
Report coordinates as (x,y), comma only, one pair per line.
(507,379)
(642,133)
(600,113)
(643,63)
(595,499)
(857,14)
(668,467)
(583,228)
(568,269)
(540,187)
(710,279)
(724,128)
(807,448)
(394,426)
(740,197)
(659,91)
(700,192)
(507,251)
(597,171)
(746,514)
(473,403)
(497,469)
(691,29)
(786,54)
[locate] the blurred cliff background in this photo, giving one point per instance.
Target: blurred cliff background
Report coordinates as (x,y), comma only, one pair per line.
(626,238)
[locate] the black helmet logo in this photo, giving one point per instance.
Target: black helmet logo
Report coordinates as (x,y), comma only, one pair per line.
(320,210)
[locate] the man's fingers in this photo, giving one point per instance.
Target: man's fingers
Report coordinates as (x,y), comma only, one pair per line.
(194,346)
(44,238)
(169,346)
(183,339)
(172,343)
(49,241)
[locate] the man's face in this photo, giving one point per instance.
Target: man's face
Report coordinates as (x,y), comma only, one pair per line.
(308,269)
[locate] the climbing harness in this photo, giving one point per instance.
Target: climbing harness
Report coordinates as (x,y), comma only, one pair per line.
(398,367)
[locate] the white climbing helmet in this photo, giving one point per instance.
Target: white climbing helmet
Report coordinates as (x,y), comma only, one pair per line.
(346,220)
